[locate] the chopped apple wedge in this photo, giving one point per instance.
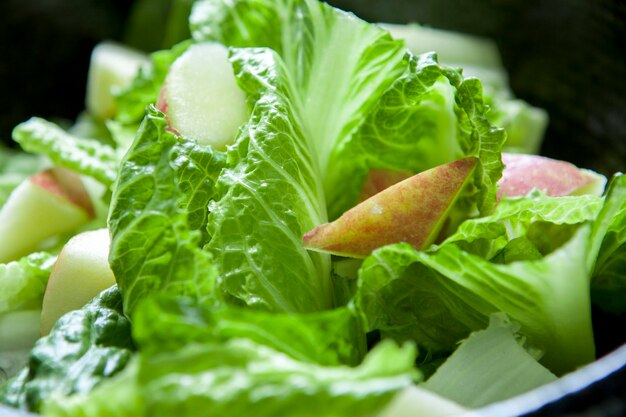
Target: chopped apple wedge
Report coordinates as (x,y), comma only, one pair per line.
(80,273)
(45,205)
(201,98)
(522,173)
(112,67)
(411,211)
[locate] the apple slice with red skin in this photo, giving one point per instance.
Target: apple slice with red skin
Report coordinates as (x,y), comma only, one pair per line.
(523,173)
(45,205)
(80,273)
(411,211)
(200,96)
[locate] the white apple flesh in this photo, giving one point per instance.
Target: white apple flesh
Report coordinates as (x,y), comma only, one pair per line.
(201,98)
(80,273)
(112,68)
(45,205)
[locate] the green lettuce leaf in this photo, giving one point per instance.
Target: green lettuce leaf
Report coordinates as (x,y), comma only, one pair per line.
(334,337)
(338,65)
(158,204)
(243,378)
(437,298)
(478,57)
(83,155)
(379,108)
(428,117)
(23,282)
(267,198)
(524,124)
(84,347)
(490,365)
(608,285)
(542,221)
(316,114)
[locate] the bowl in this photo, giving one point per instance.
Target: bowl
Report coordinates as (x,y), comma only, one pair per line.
(566,56)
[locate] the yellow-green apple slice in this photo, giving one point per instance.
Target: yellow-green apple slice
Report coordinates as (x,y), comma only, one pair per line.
(411,211)
(201,98)
(523,173)
(80,273)
(49,203)
(112,68)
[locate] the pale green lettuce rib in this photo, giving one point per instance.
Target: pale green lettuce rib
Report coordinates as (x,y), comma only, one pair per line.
(83,155)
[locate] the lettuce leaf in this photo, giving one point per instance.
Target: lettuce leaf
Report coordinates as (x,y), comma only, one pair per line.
(534,259)
(267,198)
(83,155)
(544,222)
(167,324)
(429,116)
(379,107)
(243,378)
(608,285)
(438,298)
(84,348)
(490,365)
(23,282)
(157,208)
(479,57)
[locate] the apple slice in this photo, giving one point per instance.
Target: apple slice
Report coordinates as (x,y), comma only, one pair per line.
(411,211)
(112,67)
(522,173)
(201,98)
(43,206)
(80,273)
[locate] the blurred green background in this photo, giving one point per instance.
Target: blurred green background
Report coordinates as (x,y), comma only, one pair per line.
(567,56)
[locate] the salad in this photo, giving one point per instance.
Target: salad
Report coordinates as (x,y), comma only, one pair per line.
(295,212)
